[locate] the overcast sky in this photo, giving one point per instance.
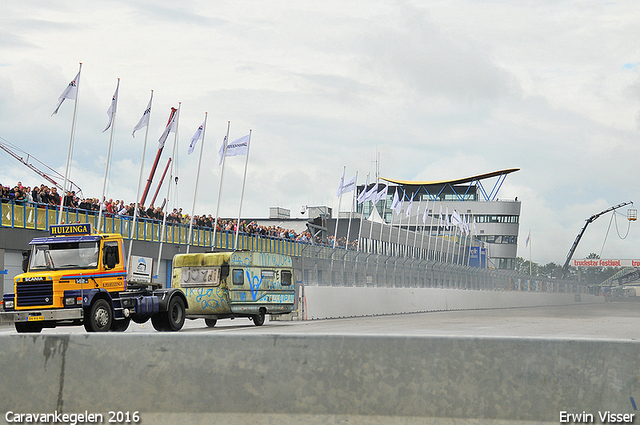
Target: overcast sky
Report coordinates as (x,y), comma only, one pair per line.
(441,89)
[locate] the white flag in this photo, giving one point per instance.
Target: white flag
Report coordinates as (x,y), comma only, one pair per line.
(381,195)
(170,128)
(348,186)
(221,150)
(71,92)
(362,197)
(426,211)
(113,107)
(144,120)
(447,222)
(237,147)
(410,206)
(194,140)
(456,220)
(526,242)
(371,193)
(396,204)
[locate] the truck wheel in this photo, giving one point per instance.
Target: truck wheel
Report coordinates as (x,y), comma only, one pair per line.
(99,318)
(175,314)
(23,327)
(258,319)
(140,319)
(120,325)
(210,322)
(159,322)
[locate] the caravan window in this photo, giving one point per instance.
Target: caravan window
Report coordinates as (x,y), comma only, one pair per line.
(238,277)
(286,278)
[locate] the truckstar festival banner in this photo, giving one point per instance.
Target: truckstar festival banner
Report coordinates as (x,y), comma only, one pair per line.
(605,263)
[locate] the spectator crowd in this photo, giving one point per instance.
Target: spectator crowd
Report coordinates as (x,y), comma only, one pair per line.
(49,196)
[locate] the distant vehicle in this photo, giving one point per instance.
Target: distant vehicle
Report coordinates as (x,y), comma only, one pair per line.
(623,293)
(235,284)
(78,277)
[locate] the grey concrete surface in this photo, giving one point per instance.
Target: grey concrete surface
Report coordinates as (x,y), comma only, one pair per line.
(611,320)
(502,366)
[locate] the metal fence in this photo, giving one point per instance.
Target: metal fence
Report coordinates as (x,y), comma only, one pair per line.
(30,216)
(324,266)
(317,265)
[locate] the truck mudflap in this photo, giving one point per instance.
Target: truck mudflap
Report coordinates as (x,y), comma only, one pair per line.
(43,315)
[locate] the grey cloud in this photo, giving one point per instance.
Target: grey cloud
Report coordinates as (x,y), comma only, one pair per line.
(419,56)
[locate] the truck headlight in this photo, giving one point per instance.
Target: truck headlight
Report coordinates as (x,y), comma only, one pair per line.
(69,300)
(8,305)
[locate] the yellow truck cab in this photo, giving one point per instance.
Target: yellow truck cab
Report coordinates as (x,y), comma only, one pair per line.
(221,285)
(75,276)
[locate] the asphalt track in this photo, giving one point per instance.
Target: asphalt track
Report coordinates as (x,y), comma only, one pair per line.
(611,320)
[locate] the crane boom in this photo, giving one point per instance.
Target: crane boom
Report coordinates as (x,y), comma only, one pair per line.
(591,219)
(52,176)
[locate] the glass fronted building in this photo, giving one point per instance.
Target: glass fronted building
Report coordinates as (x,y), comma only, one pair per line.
(474,201)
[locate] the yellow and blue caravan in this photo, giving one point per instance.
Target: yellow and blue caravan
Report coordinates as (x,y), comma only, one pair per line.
(221,285)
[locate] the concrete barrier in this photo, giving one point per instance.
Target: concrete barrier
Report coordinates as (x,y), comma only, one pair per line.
(317,379)
(323,302)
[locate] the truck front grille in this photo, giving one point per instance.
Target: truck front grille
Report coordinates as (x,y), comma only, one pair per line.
(34,293)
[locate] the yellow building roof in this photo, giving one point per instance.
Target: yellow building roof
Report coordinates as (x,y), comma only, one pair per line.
(454,181)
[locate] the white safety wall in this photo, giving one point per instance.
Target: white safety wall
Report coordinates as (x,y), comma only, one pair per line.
(321,302)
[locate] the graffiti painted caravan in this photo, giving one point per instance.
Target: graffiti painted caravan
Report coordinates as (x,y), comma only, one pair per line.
(220,285)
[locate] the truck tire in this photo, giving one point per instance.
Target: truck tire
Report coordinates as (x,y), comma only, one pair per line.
(171,320)
(258,319)
(175,314)
(120,325)
(210,322)
(159,322)
(99,317)
(24,327)
(140,319)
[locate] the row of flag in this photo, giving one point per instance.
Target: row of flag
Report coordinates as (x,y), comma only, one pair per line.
(237,147)
(374,195)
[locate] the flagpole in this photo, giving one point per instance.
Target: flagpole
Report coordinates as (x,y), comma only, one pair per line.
(529,252)
(244,180)
(164,218)
(467,233)
(389,248)
(353,200)
(335,232)
(440,225)
(73,128)
(471,220)
(364,190)
(430,237)
(112,124)
(400,226)
(137,204)
(458,241)
(393,209)
(195,192)
(373,207)
(224,156)
(392,250)
(415,232)
(406,241)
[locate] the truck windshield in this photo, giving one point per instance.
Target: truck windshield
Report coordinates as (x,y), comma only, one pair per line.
(71,255)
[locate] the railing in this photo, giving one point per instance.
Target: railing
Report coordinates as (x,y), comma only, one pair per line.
(40,217)
(321,265)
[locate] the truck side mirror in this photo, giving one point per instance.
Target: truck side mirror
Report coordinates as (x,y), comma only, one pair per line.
(26,255)
(110,256)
